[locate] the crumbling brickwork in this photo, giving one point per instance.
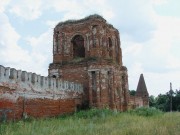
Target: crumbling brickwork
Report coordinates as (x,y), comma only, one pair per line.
(87,71)
(25,94)
(88,51)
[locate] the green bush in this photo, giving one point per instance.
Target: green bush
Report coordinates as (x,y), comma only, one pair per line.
(100,113)
(145,111)
(178,108)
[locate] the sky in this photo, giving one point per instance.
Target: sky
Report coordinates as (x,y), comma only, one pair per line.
(149,34)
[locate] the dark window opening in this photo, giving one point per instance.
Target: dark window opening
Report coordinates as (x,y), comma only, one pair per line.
(94,87)
(94,26)
(78,107)
(109,86)
(117,53)
(94,41)
(109,78)
(78,46)
(93,80)
(108,73)
(110,47)
(94,31)
(56,42)
(53,76)
(110,42)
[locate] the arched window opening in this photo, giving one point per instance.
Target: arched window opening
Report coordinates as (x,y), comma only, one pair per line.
(55,42)
(78,46)
(110,47)
(94,31)
(110,42)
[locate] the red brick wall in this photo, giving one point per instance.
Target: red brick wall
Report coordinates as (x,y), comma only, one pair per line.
(48,107)
(102,55)
(14,109)
(135,102)
(109,93)
(63,35)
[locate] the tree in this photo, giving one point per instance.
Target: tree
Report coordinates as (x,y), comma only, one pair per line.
(162,101)
(176,101)
(132,92)
(152,101)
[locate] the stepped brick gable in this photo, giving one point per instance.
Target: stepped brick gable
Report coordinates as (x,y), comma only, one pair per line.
(86,71)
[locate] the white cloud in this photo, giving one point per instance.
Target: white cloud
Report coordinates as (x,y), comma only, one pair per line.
(41,51)
(10,52)
(74,9)
(149,41)
(51,24)
(136,69)
(173,62)
(159,2)
(3,4)
(131,48)
(133,73)
(156,82)
(166,34)
(12,55)
(159,57)
(162,45)
(159,82)
(27,9)
(8,33)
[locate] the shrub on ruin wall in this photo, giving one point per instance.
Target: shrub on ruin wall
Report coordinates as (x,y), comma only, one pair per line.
(77,60)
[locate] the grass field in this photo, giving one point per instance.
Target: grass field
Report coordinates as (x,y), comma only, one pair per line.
(99,122)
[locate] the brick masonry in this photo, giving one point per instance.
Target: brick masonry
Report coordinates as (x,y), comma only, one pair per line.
(87,71)
(35,108)
(24,94)
(88,51)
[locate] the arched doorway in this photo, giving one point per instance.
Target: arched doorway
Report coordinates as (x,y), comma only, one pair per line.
(78,46)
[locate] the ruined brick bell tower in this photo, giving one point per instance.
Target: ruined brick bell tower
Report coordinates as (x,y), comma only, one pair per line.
(88,51)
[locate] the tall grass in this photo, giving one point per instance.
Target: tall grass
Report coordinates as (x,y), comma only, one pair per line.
(143,111)
(99,122)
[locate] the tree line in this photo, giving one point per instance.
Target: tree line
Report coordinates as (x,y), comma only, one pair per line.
(163,101)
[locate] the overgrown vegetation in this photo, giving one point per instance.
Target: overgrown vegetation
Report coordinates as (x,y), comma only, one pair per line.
(81,20)
(79,60)
(132,92)
(141,121)
(95,113)
(147,112)
(162,101)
